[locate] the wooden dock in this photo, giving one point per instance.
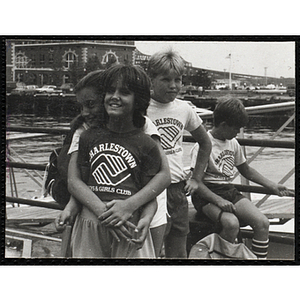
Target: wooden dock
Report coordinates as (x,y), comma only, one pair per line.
(34,228)
(278,207)
(32,224)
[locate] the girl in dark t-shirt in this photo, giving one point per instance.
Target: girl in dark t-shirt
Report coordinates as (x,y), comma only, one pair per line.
(115,162)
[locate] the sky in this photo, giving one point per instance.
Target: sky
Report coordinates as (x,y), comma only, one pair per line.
(246,57)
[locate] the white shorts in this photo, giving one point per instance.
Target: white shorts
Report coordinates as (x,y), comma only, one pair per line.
(160,217)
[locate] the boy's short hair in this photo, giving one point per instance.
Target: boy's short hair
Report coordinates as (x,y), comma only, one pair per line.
(164,61)
(231,111)
(93,80)
(137,81)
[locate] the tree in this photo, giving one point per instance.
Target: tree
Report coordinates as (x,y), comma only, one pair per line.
(76,73)
(200,78)
(93,63)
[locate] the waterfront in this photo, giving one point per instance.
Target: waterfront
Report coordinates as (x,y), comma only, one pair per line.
(274,163)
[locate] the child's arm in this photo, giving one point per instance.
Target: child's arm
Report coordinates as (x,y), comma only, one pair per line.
(143,225)
(77,187)
(68,215)
(200,135)
(119,211)
(253,175)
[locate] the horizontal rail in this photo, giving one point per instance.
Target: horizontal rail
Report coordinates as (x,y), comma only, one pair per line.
(267,143)
(255,142)
(261,109)
(54,205)
(51,205)
(28,129)
(259,190)
(32,235)
(19,165)
(243,142)
(25,136)
(240,187)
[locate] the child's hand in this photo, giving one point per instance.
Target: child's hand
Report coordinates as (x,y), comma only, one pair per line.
(191,186)
(280,190)
(226,205)
(117,213)
(122,231)
(64,218)
(140,233)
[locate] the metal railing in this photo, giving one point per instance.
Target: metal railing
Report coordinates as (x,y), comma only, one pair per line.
(287,106)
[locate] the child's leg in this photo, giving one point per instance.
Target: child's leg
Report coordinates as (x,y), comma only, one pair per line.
(158,225)
(175,242)
(229,222)
(157,234)
(248,213)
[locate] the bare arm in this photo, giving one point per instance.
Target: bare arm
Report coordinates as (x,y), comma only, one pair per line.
(73,206)
(253,175)
(119,210)
(68,215)
(201,137)
(80,190)
(143,225)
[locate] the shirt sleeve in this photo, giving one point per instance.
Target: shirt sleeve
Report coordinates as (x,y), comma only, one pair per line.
(150,165)
(75,140)
(239,154)
(193,120)
(149,128)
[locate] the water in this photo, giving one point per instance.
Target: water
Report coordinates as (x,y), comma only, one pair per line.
(273,163)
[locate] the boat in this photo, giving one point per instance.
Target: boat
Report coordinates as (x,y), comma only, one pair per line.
(30,231)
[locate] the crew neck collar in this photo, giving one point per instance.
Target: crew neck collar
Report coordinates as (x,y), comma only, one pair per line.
(162,103)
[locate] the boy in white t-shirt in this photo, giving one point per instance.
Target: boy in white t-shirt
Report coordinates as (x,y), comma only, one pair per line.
(171,117)
(216,197)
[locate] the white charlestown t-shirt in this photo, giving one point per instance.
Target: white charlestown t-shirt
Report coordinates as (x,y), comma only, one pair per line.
(224,157)
(171,119)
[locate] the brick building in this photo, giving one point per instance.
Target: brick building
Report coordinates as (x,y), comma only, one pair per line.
(41,62)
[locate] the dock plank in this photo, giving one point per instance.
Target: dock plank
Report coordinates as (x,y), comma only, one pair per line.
(278,207)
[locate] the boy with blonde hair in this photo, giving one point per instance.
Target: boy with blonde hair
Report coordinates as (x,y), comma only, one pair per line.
(172,116)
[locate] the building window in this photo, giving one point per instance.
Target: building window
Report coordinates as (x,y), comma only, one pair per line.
(42,59)
(109,57)
(21,60)
(51,56)
(70,59)
(33,60)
